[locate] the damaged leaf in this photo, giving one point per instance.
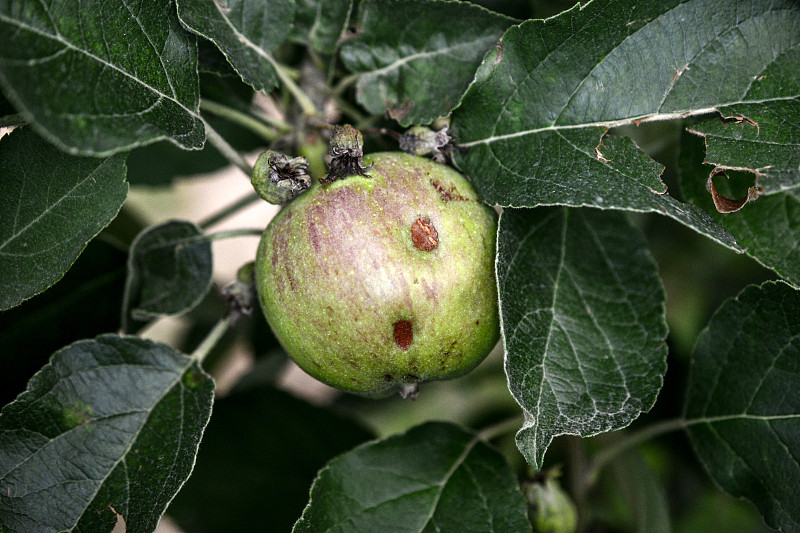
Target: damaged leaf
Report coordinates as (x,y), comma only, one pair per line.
(535,120)
(768,229)
(764,138)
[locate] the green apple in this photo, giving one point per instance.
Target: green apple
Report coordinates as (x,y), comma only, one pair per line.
(383,280)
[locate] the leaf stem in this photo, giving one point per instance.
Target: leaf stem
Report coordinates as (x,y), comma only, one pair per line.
(227,150)
(242,119)
(305,102)
(242,232)
(211,340)
(500,428)
(228,210)
(344,83)
(604,456)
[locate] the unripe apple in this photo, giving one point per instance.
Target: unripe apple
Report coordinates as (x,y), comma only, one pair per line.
(383,280)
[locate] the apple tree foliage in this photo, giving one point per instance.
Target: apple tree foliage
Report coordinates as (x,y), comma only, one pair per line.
(545,111)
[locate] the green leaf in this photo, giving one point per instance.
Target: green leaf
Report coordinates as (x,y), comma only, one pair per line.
(763,138)
(583,321)
(416,58)
(321,23)
(742,410)
(100,77)
(243,464)
(84,304)
(435,477)
(767,228)
(246,32)
(536,117)
(169,270)
(51,205)
(110,426)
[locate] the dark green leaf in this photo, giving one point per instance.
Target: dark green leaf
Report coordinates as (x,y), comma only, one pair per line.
(84,304)
(109,426)
(582,311)
(246,32)
(535,118)
(742,409)
(261,450)
(169,270)
(763,138)
(51,205)
(100,77)
(416,58)
(768,229)
(321,23)
(435,477)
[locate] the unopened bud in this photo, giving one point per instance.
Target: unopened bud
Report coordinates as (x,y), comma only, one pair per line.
(421,140)
(240,295)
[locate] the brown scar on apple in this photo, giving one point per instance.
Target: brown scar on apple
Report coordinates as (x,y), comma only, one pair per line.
(424,235)
(403,334)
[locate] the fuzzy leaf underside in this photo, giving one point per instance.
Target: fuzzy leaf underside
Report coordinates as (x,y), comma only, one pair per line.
(436,477)
(583,322)
(51,205)
(416,59)
(742,409)
(109,427)
(535,118)
(100,77)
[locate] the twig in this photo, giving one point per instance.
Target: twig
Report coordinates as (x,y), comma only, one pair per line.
(227,150)
(211,340)
(228,210)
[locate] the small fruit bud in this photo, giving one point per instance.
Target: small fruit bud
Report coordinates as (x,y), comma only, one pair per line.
(240,295)
(278,178)
(346,151)
(420,140)
(552,510)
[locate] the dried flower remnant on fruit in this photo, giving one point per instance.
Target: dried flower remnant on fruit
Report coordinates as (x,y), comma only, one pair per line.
(420,140)
(424,235)
(278,178)
(347,152)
